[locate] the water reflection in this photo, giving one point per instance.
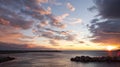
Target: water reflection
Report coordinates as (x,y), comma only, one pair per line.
(61,59)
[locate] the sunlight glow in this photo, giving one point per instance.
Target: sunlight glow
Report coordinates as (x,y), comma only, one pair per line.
(109,48)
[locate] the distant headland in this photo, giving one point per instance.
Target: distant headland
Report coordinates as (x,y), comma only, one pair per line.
(26,51)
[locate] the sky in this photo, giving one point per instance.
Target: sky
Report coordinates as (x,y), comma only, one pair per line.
(59,24)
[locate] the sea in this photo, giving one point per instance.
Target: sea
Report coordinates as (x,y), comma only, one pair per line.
(57,59)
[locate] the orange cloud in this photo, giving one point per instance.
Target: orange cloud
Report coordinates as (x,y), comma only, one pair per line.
(4,22)
(13,38)
(41,1)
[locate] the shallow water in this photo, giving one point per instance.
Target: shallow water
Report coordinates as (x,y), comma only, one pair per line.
(55,59)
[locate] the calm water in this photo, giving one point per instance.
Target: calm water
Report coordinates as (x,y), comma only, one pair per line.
(53,59)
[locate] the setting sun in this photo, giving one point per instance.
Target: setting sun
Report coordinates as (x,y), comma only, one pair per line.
(109,48)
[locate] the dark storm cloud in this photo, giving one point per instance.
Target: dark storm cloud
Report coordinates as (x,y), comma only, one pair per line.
(106,30)
(108,8)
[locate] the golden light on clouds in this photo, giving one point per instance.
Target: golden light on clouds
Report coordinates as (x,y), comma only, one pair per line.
(59,24)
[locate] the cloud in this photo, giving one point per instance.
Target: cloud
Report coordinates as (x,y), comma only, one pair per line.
(93,8)
(54,42)
(12,46)
(63,35)
(108,8)
(73,21)
(76,21)
(41,1)
(70,7)
(4,22)
(56,35)
(16,16)
(71,37)
(8,46)
(43,23)
(106,30)
(62,17)
(8,14)
(10,36)
(55,2)
(44,11)
(81,42)
(56,21)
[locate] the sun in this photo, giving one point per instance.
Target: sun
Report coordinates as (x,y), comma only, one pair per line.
(109,48)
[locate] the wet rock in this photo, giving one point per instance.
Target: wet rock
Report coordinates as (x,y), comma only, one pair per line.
(96,59)
(4,59)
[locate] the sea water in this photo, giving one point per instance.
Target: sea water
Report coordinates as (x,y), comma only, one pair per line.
(56,59)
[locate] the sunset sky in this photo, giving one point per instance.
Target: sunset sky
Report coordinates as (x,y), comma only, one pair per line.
(59,24)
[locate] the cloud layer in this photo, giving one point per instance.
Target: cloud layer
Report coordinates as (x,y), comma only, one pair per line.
(12,46)
(106,32)
(18,15)
(108,8)
(107,29)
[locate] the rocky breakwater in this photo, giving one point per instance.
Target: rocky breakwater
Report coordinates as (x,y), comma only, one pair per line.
(4,59)
(96,59)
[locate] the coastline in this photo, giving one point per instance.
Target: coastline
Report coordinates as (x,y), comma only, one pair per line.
(25,51)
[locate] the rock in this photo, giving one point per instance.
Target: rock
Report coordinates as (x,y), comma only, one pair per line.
(96,59)
(4,59)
